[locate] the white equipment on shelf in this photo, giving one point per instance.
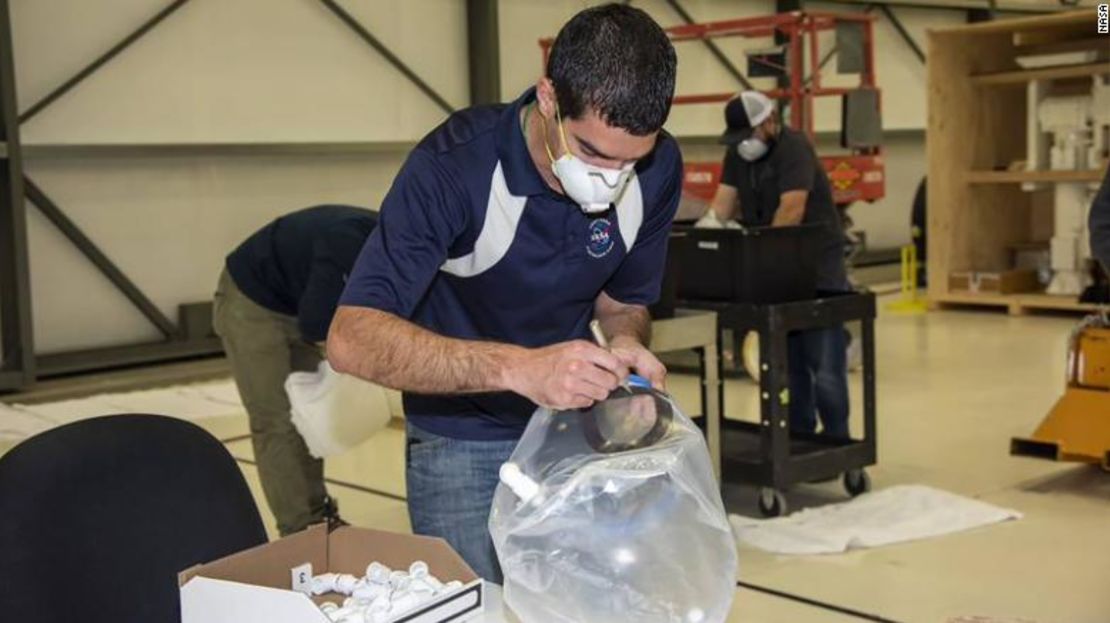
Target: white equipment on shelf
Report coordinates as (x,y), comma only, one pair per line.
(1068,132)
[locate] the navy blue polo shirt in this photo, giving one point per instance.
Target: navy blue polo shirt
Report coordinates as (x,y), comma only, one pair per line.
(298,263)
(472,244)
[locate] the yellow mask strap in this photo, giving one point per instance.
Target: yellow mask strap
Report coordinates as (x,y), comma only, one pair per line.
(562,133)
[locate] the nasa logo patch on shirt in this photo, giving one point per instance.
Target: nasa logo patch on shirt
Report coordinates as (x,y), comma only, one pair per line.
(601,238)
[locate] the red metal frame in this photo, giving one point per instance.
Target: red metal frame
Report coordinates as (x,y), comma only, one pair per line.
(857,175)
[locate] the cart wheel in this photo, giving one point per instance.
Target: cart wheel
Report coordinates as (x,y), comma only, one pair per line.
(856,482)
(771,503)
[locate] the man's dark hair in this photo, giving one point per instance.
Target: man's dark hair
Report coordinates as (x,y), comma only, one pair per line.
(616,60)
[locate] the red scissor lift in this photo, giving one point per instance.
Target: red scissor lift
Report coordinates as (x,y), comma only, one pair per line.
(855,175)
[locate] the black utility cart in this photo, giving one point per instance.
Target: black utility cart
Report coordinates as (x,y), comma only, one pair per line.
(767,454)
(764,279)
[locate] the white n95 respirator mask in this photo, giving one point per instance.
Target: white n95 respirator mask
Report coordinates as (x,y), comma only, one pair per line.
(752,149)
(594,188)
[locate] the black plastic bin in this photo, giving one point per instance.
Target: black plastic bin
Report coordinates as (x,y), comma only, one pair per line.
(759,265)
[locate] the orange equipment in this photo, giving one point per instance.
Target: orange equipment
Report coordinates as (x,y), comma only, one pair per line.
(1078,427)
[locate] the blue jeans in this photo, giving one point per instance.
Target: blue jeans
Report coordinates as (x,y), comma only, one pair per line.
(818,363)
(450,490)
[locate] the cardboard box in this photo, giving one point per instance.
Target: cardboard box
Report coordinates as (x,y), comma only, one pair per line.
(255,586)
(994,282)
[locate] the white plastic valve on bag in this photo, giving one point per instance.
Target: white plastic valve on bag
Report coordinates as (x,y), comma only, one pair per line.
(335,412)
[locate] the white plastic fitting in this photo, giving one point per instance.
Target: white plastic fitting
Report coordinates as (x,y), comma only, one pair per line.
(431,583)
(378,573)
(524,487)
(419,573)
(346,583)
(403,603)
(381,604)
(324,583)
(424,592)
(370,590)
(399,581)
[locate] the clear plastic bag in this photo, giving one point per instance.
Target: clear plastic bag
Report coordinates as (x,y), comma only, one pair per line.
(613,514)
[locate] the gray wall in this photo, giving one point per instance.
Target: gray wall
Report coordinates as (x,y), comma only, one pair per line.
(217,71)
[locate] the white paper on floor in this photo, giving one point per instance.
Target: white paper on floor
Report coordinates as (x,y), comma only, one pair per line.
(892,515)
(188,402)
(16,425)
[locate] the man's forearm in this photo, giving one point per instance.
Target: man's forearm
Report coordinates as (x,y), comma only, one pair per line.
(393,352)
(786,216)
(792,208)
(630,322)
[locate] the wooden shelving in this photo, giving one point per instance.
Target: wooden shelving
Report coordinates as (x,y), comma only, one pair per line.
(1021,76)
(977,215)
(1017,177)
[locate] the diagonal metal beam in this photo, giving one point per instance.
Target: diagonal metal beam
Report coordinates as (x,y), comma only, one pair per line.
(821,65)
(91,68)
(828,55)
(714,49)
(397,63)
(108,268)
(906,36)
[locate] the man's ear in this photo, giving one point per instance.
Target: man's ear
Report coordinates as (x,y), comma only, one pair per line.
(545,97)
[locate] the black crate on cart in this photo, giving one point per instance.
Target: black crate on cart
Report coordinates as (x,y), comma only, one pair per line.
(767,454)
(754,265)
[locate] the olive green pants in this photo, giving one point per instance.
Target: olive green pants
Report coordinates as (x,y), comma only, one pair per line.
(263,347)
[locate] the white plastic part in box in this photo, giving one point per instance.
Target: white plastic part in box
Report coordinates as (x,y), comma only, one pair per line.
(255,586)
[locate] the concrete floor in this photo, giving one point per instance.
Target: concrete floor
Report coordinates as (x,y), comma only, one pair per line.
(953,389)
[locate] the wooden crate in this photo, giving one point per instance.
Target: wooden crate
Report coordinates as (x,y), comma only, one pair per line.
(976,130)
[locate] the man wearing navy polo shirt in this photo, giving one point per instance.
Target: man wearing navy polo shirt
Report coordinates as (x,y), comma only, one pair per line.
(275,300)
(508,229)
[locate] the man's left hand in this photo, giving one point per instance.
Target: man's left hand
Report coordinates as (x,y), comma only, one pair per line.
(641,360)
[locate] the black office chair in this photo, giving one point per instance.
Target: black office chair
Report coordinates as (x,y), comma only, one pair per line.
(97,517)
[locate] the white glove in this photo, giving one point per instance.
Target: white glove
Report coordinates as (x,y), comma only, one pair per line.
(709,221)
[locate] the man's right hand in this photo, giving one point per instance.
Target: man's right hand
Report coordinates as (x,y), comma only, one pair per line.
(570,375)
